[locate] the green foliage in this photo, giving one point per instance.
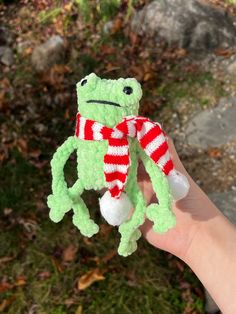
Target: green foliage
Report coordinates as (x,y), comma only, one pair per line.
(103,9)
(47,16)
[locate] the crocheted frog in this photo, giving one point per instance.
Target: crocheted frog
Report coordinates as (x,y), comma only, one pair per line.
(110,138)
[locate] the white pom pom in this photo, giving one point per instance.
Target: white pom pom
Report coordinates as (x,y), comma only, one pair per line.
(115,211)
(179,185)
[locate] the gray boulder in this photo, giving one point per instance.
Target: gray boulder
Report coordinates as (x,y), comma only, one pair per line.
(189,23)
(49,53)
(226,202)
(213,128)
(6,55)
(5,36)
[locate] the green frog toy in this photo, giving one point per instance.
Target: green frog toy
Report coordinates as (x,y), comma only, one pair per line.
(110,139)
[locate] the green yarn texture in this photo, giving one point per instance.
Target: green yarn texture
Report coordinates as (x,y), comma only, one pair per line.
(90,156)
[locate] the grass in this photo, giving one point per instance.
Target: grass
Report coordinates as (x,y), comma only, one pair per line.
(199,87)
(142,283)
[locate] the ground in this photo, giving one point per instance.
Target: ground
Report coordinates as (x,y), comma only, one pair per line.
(50,268)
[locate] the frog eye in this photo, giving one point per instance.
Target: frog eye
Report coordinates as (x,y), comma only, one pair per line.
(128,90)
(84,82)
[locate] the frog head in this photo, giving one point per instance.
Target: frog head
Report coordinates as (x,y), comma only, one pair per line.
(108,101)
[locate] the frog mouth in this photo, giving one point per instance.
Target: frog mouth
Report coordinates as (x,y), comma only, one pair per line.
(104,102)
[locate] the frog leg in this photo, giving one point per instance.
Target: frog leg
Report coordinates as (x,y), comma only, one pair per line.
(81,218)
(159,213)
(129,230)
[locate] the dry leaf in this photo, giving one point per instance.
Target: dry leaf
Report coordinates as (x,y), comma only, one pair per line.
(20,281)
(109,256)
(4,286)
(89,278)
(107,50)
(224,52)
(105,230)
(35,153)
(79,310)
(57,265)
(44,275)
(87,241)
(69,253)
(6,302)
(214,153)
(6,259)
(22,145)
(117,25)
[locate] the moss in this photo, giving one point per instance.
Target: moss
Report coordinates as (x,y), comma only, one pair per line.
(196,87)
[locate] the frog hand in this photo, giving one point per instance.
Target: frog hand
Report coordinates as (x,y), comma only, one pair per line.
(163,219)
(59,205)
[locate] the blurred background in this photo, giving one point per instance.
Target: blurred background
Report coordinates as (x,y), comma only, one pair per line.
(183,52)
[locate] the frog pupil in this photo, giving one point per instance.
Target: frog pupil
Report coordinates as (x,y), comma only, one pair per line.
(128,90)
(83,82)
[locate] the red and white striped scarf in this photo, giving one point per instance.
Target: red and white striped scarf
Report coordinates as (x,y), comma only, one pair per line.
(150,136)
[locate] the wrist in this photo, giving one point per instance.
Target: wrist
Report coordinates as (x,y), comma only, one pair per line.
(212,255)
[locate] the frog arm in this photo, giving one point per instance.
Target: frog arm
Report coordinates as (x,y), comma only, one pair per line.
(60,202)
(160,213)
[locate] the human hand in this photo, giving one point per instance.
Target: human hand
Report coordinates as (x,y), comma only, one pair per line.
(190,212)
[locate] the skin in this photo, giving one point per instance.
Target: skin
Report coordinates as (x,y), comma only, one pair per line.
(203,238)
(106,102)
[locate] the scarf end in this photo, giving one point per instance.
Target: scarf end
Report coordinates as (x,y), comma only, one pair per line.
(115,210)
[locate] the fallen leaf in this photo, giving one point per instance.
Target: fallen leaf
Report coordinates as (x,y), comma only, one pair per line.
(214,152)
(22,145)
(69,253)
(4,286)
(35,153)
(105,230)
(117,25)
(20,281)
(6,259)
(134,38)
(109,256)
(6,302)
(57,265)
(89,278)
(70,301)
(68,6)
(44,275)
(79,310)
(224,52)
(87,241)
(107,50)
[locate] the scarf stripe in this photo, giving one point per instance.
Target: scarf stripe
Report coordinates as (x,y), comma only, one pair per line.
(150,136)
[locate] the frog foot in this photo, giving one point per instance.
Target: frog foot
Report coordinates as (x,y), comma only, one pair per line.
(128,242)
(86,225)
(163,219)
(59,205)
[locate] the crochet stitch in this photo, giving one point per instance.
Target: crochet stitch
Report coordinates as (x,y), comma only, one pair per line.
(108,117)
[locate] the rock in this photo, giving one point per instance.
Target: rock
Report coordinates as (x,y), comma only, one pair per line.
(6,55)
(108,27)
(5,36)
(22,46)
(48,54)
(231,69)
(213,128)
(226,202)
(192,24)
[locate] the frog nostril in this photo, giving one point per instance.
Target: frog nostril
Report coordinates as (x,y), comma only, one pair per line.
(128,90)
(84,82)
